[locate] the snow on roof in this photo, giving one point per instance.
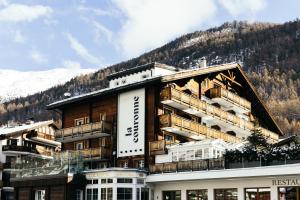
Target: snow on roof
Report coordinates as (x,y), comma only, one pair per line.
(24,128)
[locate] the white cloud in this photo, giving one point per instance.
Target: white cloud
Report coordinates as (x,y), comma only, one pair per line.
(81,50)
(245,7)
(23,13)
(100,29)
(97,11)
(151,23)
(3,3)
(19,37)
(71,64)
(37,56)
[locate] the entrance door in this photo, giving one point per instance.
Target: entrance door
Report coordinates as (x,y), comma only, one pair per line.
(172,195)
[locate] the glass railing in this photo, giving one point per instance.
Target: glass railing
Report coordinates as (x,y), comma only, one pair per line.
(61,163)
(229,96)
(103,127)
(101,152)
(195,128)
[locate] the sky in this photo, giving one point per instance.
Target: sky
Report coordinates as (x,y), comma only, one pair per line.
(40,35)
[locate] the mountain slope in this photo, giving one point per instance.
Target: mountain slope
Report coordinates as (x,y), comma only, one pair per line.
(270,53)
(20,84)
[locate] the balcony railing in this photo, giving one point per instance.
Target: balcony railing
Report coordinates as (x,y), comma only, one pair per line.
(220,92)
(159,147)
(19,148)
(102,127)
(100,152)
(199,105)
(269,134)
(193,165)
(45,136)
(194,128)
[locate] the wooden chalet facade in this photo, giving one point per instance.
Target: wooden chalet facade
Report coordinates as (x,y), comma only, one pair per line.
(214,102)
(148,108)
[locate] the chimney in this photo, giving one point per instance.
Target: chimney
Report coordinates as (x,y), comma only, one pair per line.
(202,63)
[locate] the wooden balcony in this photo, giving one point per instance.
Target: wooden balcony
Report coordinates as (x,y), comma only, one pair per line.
(193,165)
(271,136)
(159,147)
(229,99)
(100,152)
(194,106)
(45,136)
(179,125)
(91,128)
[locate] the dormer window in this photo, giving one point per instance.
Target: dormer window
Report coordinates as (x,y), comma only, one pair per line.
(117,83)
(123,81)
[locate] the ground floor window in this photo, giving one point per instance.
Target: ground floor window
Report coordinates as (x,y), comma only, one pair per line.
(124,193)
(257,193)
(92,194)
(172,195)
(40,195)
(289,193)
(79,195)
(226,194)
(196,194)
(144,193)
(106,193)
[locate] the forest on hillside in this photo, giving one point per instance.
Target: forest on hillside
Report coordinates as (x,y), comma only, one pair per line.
(270,54)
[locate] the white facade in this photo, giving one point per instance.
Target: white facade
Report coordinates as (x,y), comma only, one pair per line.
(271,178)
(140,76)
(110,181)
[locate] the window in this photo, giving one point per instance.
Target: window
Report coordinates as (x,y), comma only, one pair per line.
(86,120)
(40,195)
(138,194)
(103,116)
(123,81)
(95,181)
(289,193)
(124,193)
(124,180)
(139,164)
(78,145)
(258,194)
(144,193)
(79,195)
(106,193)
(79,122)
(169,138)
(167,111)
(13,142)
(109,180)
(92,194)
(226,194)
(196,194)
(89,182)
(172,195)
(140,181)
(198,154)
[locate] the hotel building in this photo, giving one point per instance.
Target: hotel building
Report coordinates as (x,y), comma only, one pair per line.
(160,133)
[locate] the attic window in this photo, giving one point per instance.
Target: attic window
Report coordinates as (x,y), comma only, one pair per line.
(123,81)
(117,83)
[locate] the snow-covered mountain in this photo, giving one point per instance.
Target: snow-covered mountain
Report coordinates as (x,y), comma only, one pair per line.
(19,84)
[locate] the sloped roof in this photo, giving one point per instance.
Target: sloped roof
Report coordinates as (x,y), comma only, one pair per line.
(24,128)
(176,76)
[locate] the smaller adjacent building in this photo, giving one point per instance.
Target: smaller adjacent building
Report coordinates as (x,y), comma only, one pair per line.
(32,143)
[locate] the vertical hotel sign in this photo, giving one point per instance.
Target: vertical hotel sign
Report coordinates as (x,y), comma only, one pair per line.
(131,123)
